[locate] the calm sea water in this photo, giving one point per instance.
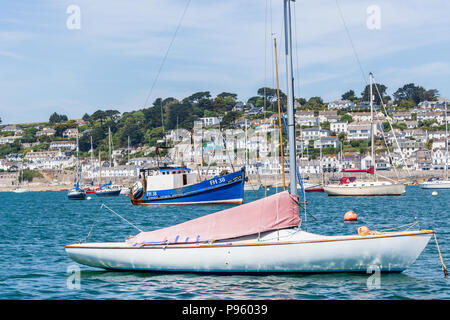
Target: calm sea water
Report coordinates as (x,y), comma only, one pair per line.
(35,226)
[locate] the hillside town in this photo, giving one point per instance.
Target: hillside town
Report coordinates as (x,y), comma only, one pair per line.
(411,142)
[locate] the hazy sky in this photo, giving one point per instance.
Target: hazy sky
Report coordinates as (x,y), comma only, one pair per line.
(111,61)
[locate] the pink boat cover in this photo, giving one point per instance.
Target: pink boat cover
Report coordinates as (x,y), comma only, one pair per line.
(270,213)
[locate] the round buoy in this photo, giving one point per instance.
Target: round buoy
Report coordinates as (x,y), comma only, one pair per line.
(434,193)
(88,198)
(363,231)
(350,216)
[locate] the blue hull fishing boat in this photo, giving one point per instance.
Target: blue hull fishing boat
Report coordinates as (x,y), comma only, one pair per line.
(176,186)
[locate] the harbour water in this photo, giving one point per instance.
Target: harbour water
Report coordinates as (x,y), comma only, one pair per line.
(35,227)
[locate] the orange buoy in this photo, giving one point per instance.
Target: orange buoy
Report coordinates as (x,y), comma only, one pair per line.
(350,216)
(363,231)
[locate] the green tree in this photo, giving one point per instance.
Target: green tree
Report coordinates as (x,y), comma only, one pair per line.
(346,118)
(415,93)
(349,95)
(382,89)
(57,118)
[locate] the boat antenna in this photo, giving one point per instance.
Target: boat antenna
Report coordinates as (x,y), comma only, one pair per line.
(290,97)
(279,116)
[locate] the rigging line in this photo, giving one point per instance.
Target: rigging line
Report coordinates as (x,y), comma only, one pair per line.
(167,52)
(392,129)
(351,42)
(104,205)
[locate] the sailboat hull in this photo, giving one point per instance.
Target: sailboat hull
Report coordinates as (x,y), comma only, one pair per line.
(366,189)
(440,184)
(299,252)
(76,195)
(107,193)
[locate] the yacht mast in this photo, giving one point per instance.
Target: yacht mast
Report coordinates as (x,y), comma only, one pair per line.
(290,98)
(372,131)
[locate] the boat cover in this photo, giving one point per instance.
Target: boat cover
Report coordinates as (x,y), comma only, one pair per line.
(270,213)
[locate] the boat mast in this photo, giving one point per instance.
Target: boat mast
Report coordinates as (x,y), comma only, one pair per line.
(279,115)
(372,132)
(78,162)
(92,161)
(290,98)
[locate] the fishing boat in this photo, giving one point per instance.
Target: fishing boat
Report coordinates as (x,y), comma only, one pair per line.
(263,236)
(437,183)
(371,187)
(180,185)
(77,193)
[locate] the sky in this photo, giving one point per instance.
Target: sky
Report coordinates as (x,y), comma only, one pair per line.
(107,53)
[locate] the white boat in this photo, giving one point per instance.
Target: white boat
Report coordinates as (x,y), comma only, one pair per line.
(435,184)
(368,187)
(259,236)
(191,246)
(251,187)
(124,190)
(20,190)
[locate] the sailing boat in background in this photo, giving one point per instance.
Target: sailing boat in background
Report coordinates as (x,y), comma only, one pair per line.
(258,237)
(90,188)
(108,190)
(19,188)
(436,183)
(77,193)
(350,187)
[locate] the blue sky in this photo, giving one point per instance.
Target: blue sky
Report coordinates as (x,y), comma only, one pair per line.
(112,61)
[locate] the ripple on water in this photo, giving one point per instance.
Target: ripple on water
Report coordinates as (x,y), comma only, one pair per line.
(36,226)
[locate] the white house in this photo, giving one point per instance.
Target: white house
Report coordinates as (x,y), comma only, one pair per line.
(356,131)
(9,139)
(46,132)
(326,142)
(70,133)
(314,133)
(340,105)
(306,118)
(339,127)
(12,128)
(210,121)
(63,145)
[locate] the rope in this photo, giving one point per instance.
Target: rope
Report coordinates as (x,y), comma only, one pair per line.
(167,52)
(444,268)
(104,205)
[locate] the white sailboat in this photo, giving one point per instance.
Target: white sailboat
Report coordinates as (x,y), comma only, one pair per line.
(259,236)
(436,183)
(368,187)
(19,188)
